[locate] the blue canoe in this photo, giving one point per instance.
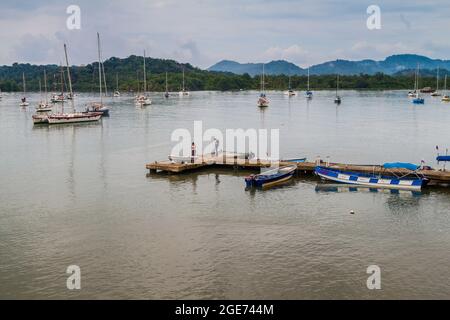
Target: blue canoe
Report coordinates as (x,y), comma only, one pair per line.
(419,101)
(405,183)
(271,177)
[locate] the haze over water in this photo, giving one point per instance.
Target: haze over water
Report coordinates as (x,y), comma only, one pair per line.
(79,194)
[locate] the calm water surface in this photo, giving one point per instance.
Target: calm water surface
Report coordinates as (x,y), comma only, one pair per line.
(79,194)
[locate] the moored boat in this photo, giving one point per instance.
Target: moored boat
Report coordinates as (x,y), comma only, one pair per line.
(263,101)
(406,181)
(73,117)
(271,177)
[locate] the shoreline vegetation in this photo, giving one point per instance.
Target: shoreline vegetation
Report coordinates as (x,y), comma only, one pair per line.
(130,77)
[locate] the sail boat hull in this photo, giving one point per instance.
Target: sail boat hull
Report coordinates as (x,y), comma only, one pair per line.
(74,118)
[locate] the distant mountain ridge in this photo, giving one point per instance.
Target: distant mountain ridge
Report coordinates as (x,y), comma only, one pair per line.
(391,65)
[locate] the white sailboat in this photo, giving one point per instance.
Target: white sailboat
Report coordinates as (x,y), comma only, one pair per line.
(142,99)
(445,97)
(415,93)
(72,117)
(183,91)
(59,98)
(166,94)
(43,105)
(436,93)
(23,101)
(308,93)
(337,98)
(99,106)
(117,92)
(417,99)
(290,92)
(263,101)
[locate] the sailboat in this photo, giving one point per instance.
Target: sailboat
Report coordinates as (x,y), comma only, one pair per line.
(98,106)
(263,101)
(418,99)
(59,98)
(414,94)
(23,101)
(73,117)
(43,104)
(183,91)
(436,93)
(290,92)
(142,99)
(308,93)
(445,97)
(166,94)
(337,98)
(117,92)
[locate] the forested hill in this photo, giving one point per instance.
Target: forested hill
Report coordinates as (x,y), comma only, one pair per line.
(130,75)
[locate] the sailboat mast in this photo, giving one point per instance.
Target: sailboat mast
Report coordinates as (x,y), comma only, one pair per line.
(263,80)
(23,83)
(45,86)
(117,82)
(145,76)
(99,68)
(337,85)
(68,74)
(308,79)
(437,80)
(167,85)
(183,80)
(40,89)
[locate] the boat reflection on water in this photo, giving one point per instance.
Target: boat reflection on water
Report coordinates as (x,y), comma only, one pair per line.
(341,188)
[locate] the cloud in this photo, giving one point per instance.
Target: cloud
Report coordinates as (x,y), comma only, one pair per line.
(203,32)
(294,53)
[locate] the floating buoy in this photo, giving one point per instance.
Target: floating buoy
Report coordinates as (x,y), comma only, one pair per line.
(352,212)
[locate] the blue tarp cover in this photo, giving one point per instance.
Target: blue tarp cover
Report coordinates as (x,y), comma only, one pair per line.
(401,165)
(443,158)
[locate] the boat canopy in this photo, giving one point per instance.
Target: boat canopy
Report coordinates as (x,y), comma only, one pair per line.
(443,158)
(401,165)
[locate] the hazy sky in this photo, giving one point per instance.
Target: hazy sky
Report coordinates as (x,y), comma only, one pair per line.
(203,32)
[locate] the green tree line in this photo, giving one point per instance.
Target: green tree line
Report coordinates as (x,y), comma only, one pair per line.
(129,72)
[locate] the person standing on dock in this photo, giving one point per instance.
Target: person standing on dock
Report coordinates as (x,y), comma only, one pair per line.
(192,152)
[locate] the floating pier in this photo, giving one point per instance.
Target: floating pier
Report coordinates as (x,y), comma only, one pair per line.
(436,177)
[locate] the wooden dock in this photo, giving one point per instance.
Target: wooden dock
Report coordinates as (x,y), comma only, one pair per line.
(436,177)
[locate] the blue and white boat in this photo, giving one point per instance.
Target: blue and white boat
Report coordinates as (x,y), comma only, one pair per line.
(405,182)
(271,177)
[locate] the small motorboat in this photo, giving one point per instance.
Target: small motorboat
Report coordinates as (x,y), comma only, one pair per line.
(445,98)
(24,102)
(43,107)
(418,100)
(271,177)
(263,101)
(98,108)
(116,94)
(58,98)
(143,100)
(337,100)
(405,182)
